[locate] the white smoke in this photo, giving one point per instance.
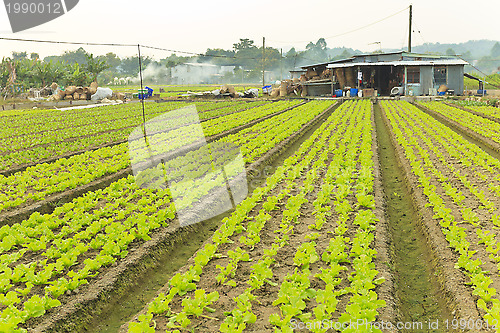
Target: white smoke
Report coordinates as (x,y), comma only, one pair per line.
(153,73)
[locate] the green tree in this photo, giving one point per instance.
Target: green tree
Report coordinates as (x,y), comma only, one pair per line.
(112,60)
(450,52)
(345,54)
(321,44)
(70,57)
(244,43)
(19,55)
(95,66)
(77,76)
(495,50)
(317,51)
(220,57)
(291,58)
(173,60)
(130,65)
(47,72)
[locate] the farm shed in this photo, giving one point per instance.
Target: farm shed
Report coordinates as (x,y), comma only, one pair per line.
(317,79)
(296,73)
(417,74)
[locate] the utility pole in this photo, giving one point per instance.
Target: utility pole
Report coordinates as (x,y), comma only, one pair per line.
(263,59)
(281,64)
(409,35)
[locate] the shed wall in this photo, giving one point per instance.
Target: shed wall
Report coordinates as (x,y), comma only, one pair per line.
(426,79)
(456,79)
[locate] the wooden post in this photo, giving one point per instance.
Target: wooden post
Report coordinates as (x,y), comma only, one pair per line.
(281,64)
(331,79)
(406,82)
(357,76)
(409,34)
(263,59)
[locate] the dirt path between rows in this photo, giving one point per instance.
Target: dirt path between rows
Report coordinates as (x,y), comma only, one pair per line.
(83,311)
(455,292)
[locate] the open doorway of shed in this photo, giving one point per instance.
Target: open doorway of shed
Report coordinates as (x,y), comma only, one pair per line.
(383,78)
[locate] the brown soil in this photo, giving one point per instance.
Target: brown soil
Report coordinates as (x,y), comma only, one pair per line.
(467,131)
(382,237)
(458,294)
(284,265)
(497,120)
(115,281)
(23,167)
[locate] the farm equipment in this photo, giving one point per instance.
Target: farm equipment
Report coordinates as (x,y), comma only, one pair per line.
(143,93)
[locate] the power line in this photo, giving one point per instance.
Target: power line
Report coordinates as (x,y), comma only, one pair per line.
(471,65)
(350,31)
(64,42)
(199,54)
(420,35)
(127,45)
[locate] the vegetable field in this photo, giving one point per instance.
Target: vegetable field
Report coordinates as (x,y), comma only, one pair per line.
(309,248)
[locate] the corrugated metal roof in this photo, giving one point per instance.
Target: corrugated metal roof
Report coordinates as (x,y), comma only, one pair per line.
(199,64)
(318,64)
(382,53)
(403,63)
(403,53)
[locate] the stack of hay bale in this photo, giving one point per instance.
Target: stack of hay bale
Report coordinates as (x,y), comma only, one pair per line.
(296,86)
(73,92)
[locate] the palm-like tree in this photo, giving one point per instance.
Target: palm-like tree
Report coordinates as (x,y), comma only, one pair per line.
(47,72)
(76,75)
(95,66)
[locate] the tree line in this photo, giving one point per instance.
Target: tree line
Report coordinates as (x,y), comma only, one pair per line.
(79,67)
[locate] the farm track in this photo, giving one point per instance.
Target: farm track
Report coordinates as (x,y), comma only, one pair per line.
(48,205)
(417,291)
(122,281)
(382,230)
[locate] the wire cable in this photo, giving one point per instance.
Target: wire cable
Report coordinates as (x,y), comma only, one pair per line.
(64,42)
(350,31)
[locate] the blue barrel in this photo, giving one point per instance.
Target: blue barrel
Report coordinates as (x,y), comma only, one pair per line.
(354,92)
(338,93)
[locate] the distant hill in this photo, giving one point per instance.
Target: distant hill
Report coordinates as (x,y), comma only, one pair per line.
(476,48)
(483,54)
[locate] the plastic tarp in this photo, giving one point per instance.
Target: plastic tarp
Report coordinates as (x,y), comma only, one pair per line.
(101,93)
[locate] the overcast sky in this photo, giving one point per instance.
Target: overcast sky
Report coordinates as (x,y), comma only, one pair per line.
(197,25)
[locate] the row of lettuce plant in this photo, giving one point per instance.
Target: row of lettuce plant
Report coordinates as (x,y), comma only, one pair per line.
(350,129)
(180,284)
(41,256)
(30,148)
(38,182)
(478,124)
(416,132)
